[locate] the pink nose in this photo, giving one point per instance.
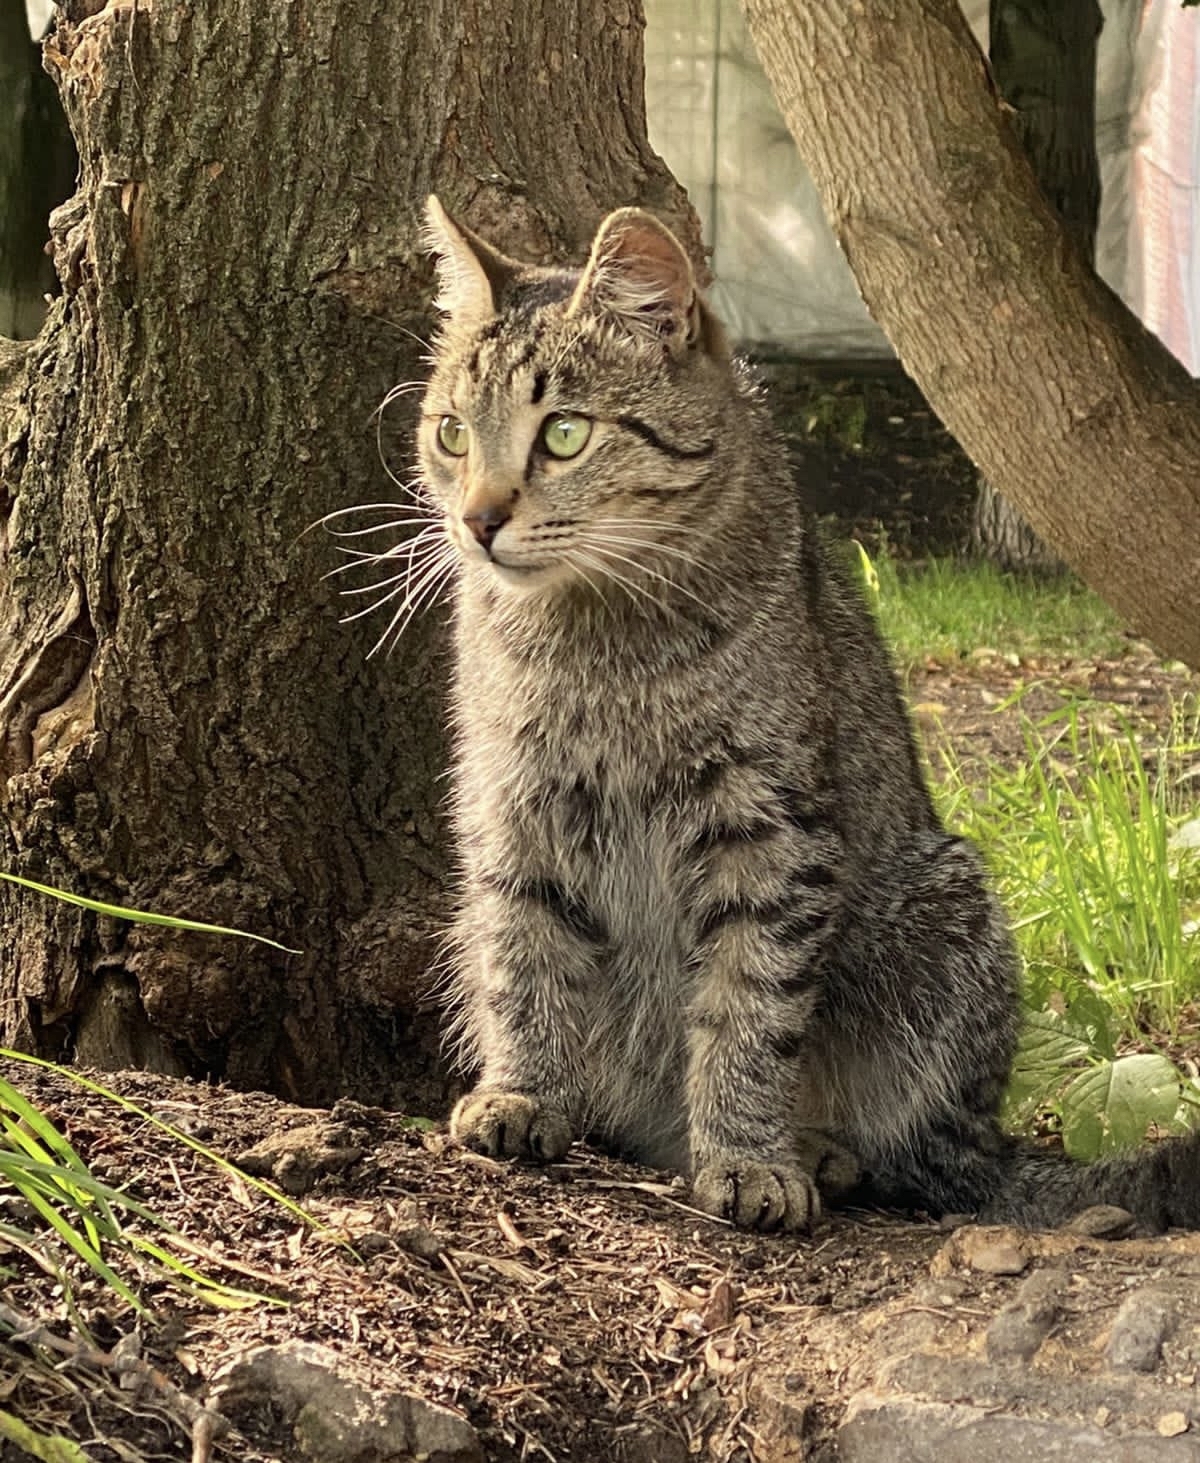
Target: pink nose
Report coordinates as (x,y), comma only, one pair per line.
(487,523)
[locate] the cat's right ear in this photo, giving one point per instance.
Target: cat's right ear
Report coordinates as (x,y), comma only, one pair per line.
(640,279)
(471,274)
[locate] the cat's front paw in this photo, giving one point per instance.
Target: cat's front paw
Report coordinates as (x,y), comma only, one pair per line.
(763,1196)
(510,1125)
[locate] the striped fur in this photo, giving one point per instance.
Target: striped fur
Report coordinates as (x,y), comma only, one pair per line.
(709,916)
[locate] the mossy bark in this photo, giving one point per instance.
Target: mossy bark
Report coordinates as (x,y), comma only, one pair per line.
(184,724)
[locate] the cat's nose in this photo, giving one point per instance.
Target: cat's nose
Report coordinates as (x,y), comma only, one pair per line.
(487,523)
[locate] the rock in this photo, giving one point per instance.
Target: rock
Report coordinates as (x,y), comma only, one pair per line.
(1138,1332)
(884,1429)
(1171,1424)
(298,1157)
(418,1240)
(987,1249)
(1021,1327)
(1102,1221)
(998,1259)
(329,1419)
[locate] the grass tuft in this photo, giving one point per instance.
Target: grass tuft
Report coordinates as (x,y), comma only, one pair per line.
(945,611)
(1089,845)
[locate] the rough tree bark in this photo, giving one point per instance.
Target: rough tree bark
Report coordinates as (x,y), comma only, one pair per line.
(1062,399)
(37,169)
(1043,60)
(183,723)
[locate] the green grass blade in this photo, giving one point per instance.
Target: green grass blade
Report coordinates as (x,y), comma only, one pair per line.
(141,916)
(210,1155)
(46,1447)
(83,1248)
(203,1287)
(83,1185)
(16,1101)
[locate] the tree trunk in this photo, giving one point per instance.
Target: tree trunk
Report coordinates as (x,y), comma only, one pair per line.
(1043,60)
(185,725)
(1061,398)
(37,169)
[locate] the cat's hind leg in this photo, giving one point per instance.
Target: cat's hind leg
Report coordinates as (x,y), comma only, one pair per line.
(918,1025)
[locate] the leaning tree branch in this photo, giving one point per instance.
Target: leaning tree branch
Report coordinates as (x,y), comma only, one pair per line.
(1051,385)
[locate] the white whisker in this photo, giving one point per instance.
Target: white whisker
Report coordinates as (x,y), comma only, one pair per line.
(598,546)
(658,525)
(383,527)
(404,575)
(635,592)
(660,548)
(424,595)
(576,560)
(414,547)
(405,388)
(406,586)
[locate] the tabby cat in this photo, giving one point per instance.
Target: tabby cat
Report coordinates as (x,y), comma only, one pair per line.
(710,918)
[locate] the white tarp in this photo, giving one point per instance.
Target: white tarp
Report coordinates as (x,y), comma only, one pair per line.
(780,277)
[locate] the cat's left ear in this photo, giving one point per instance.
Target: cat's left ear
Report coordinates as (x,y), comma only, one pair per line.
(472,276)
(639,276)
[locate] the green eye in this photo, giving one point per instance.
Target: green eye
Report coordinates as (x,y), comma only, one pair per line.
(565,434)
(453,435)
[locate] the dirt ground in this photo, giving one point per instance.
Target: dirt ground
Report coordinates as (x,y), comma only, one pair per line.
(579,1312)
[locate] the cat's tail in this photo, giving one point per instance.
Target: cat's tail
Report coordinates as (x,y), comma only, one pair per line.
(1008,1181)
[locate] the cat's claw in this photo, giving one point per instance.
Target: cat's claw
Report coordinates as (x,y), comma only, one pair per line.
(510,1125)
(760,1196)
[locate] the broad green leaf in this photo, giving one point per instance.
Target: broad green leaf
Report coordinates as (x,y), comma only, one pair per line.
(1112,1105)
(1048,1052)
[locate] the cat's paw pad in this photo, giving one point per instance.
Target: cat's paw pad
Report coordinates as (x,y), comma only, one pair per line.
(758,1195)
(510,1125)
(835,1169)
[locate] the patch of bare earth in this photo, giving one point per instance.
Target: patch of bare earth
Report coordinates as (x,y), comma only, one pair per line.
(579,1311)
(584,1311)
(976,706)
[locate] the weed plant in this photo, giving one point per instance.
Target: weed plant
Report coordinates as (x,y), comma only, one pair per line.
(1091,846)
(88,1218)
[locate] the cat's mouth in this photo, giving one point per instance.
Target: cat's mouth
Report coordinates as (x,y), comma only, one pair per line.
(526,574)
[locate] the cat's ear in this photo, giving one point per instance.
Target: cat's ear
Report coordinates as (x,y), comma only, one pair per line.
(639,277)
(471,274)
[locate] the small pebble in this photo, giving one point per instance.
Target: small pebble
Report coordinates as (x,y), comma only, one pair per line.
(1171,1424)
(1103,1221)
(420,1241)
(1017,1332)
(1103,1417)
(999,1259)
(1138,1332)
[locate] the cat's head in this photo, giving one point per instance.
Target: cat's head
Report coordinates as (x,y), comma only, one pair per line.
(570,431)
